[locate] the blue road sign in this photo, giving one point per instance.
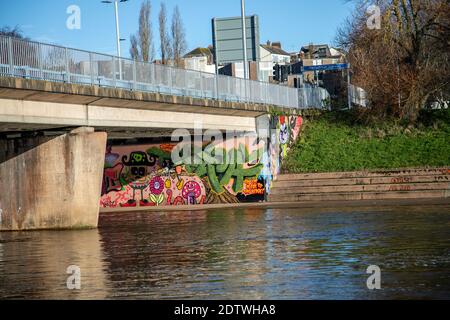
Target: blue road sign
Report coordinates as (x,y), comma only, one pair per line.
(326,67)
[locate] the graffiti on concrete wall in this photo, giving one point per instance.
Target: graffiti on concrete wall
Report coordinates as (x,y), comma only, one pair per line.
(284,131)
(142,176)
(145,176)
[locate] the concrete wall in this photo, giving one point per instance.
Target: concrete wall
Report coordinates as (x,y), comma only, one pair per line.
(142,175)
(51,183)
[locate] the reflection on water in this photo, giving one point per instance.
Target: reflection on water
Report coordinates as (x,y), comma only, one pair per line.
(237,254)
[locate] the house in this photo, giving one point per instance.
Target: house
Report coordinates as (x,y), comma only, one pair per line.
(316,55)
(271,54)
(200,59)
(236,69)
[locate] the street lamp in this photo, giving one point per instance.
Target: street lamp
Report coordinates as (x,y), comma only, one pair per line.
(116,9)
(244,38)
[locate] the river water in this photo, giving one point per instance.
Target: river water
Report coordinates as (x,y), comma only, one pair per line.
(237,254)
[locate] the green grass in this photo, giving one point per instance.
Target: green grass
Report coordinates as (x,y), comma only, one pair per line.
(335,142)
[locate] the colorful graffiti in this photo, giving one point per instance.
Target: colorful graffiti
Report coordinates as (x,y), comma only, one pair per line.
(288,129)
(284,131)
(145,176)
(149,178)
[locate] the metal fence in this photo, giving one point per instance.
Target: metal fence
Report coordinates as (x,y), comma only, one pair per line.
(314,97)
(357,96)
(34,60)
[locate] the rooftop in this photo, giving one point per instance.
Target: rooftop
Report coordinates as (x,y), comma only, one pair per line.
(275,50)
(199,52)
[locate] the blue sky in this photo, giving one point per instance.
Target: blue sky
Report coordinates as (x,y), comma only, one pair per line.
(293,22)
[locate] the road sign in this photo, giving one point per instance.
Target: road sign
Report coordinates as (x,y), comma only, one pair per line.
(227,39)
(326,67)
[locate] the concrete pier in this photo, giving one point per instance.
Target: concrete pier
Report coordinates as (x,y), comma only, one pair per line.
(51,182)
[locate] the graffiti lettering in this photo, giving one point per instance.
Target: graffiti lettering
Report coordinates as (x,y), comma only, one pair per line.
(401,180)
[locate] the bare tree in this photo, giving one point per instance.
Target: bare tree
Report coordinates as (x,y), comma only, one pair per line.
(146,32)
(142,43)
(404,65)
(12,32)
(166,45)
(179,44)
(134,48)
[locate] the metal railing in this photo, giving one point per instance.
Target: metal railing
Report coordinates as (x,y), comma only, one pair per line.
(357,96)
(35,60)
(314,97)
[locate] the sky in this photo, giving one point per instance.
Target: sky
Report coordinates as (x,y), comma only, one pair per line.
(293,22)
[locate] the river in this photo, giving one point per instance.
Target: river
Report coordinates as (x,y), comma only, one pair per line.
(237,254)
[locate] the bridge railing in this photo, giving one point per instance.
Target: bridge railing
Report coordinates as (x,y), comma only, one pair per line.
(35,60)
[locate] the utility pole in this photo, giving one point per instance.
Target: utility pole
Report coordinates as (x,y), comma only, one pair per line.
(244,38)
(116,9)
(118,39)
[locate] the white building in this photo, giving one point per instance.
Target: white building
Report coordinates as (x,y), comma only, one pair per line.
(199,64)
(200,59)
(270,55)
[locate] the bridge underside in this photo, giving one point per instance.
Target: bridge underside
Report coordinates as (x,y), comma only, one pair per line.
(20,115)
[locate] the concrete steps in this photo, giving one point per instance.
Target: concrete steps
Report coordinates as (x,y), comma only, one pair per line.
(370,185)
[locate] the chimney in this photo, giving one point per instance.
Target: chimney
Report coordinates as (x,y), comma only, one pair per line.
(276,44)
(269,43)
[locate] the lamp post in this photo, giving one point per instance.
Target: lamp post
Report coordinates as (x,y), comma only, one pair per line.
(244,38)
(118,39)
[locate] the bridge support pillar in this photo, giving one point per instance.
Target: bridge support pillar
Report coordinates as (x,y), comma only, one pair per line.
(51,182)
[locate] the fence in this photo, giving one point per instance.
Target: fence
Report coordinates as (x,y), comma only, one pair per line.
(357,96)
(34,60)
(314,97)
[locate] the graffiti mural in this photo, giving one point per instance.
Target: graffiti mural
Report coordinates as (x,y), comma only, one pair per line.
(284,131)
(142,176)
(145,176)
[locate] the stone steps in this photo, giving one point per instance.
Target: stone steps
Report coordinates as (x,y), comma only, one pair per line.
(365,174)
(371,185)
(361,181)
(362,188)
(360,196)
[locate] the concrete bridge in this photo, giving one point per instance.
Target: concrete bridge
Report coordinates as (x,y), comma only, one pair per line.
(61,107)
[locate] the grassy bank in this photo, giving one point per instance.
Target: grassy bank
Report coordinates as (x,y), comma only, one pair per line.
(338,142)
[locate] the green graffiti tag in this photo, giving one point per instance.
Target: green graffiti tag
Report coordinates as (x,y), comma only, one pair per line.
(220,175)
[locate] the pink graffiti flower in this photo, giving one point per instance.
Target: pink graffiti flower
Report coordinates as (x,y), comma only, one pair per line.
(157,186)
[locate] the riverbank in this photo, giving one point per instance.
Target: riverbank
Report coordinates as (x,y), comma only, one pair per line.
(288,205)
(338,141)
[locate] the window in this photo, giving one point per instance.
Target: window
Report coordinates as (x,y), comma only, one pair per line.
(322,52)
